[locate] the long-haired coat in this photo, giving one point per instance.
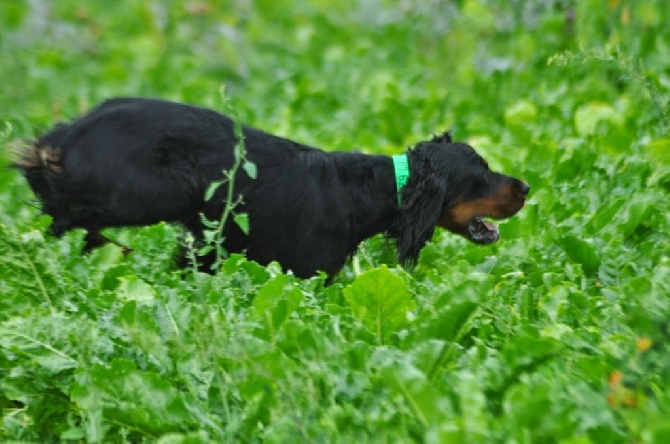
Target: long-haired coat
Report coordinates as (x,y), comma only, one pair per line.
(133,161)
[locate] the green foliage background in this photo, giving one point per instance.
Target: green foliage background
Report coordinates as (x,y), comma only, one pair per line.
(558,333)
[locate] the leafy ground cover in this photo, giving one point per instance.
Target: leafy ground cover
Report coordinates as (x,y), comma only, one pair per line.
(558,333)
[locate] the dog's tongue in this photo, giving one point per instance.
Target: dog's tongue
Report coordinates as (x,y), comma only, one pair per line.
(482,231)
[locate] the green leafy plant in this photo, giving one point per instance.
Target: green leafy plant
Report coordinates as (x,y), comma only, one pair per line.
(213,235)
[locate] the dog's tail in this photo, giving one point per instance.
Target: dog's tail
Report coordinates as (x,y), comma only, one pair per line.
(41,165)
(42,154)
(28,157)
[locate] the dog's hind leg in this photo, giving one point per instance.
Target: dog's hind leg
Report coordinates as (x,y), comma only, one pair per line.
(95,239)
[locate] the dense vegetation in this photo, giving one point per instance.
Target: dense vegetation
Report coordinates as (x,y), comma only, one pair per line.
(558,333)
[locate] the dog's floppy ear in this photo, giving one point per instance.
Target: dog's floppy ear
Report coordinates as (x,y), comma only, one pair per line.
(445,137)
(422,201)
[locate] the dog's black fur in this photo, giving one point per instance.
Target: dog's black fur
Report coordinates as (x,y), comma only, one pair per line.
(134,161)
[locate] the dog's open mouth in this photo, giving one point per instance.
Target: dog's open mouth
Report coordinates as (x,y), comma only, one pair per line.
(482,231)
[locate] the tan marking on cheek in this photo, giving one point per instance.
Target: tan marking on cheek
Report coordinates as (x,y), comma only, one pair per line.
(488,207)
(498,206)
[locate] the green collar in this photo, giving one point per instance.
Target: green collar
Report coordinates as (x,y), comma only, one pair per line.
(401,168)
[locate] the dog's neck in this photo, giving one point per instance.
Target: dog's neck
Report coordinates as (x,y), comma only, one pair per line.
(374,205)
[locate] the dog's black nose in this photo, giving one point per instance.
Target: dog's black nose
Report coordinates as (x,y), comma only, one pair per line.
(524,187)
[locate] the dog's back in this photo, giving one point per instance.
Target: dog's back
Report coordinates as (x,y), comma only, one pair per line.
(126,163)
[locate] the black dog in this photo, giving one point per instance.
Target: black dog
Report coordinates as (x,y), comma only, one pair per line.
(137,161)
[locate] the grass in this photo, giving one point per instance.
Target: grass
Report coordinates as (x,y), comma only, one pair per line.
(558,333)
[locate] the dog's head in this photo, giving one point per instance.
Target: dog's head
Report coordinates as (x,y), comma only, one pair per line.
(451,186)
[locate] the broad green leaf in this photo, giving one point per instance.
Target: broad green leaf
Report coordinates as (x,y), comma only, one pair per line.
(297,338)
(474,405)
(271,292)
(153,251)
(75,433)
(132,288)
(140,400)
(638,212)
(450,323)
(589,115)
(428,404)
(527,404)
(522,112)
(380,300)
(44,341)
(238,263)
(523,352)
(582,252)
(605,215)
(276,301)
(659,152)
